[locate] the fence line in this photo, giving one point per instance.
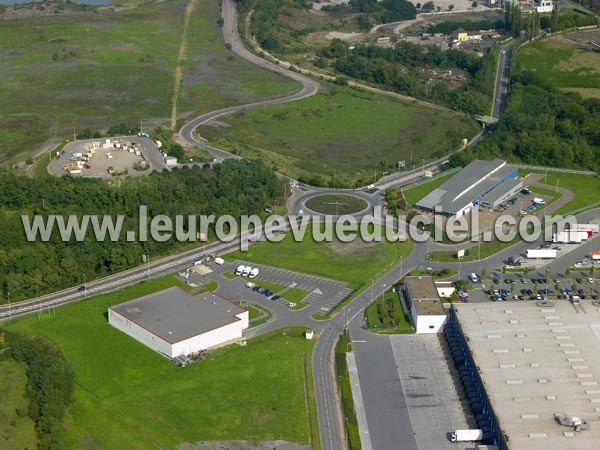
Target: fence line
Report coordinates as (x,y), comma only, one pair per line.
(557,169)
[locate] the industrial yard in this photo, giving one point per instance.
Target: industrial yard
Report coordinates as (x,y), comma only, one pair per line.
(109,157)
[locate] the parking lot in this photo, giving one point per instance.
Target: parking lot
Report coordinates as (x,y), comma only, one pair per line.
(324,294)
(104,158)
(519,287)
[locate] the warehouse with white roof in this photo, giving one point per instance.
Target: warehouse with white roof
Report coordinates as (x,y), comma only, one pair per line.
(525,363)
(175,323)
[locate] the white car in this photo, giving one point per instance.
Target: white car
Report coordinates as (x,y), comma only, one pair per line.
(253,273)
(590,280)
(371,186)
(250,284)
(240,269)
(246,271)
(291,304)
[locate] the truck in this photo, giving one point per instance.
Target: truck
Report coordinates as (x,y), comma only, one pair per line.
(219,261)
(253,273)
(539,201)
(246,271)
(240,269)
(198,261)
(596,256)
(541,253)
(467,436)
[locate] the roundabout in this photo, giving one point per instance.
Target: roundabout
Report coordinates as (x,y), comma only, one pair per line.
(336,204)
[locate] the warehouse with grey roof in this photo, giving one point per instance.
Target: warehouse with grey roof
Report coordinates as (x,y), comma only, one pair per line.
(534,371)
(175,323)
(485,182)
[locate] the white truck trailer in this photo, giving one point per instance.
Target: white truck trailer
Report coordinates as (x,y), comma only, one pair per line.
(541,253)
(467,435)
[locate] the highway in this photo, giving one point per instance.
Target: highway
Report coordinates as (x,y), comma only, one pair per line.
(387,414)
(502,79)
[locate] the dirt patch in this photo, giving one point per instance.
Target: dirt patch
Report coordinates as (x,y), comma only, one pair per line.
(243,445)
(179,68)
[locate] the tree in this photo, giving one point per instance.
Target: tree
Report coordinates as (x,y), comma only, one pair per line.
(474,4)
(428,6)
(450,7)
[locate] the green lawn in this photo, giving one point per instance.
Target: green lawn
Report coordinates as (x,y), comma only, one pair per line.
(486,249)
(378,323)
(586,189)
(336,204)
(564,65)
(109,67)
(414,194)
(17,430)
(255,392)
(355,262)
(342,135)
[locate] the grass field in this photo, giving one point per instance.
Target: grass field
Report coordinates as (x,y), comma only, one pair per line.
(374,318)
(355,262)
(342,134)
(585,188)
(336,204)
(17,430)
(413,195)
(562,63)
(255,392)
(108,67)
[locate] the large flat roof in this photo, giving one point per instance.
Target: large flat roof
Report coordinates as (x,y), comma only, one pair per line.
(536,361)
(477,178)
(175,315)
(424,295)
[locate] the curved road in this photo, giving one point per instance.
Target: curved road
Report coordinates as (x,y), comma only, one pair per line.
(330,421)
(232,37)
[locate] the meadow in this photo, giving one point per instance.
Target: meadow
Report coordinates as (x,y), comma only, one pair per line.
(106,68)
(255,392)
(340,135)
(354,263)
(564,64)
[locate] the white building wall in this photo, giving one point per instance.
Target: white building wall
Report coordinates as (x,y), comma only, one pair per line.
(203,341)
(430,324)
(209,339)
(138,333)
(445,291)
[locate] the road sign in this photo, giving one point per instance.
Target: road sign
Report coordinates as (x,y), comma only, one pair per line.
(460,254)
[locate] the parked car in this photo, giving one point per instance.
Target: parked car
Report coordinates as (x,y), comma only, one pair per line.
(250,284)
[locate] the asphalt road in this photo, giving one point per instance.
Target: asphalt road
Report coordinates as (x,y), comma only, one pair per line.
(502,79)
(231,36)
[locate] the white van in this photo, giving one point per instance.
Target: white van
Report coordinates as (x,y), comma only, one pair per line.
(219,261)
(246,271)
(474,278)
(253,273)
(240,269)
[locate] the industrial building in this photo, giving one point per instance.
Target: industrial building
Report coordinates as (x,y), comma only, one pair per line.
(526,363)
(426,308)
(486,182)
(175,323)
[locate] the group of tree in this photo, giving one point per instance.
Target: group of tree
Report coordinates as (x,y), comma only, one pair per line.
(405,69)
(49,388)
(389,315)
(29,269)
(385,11)
(448,28)
(543,125)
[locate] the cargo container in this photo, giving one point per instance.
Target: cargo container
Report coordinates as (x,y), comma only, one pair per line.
(467,435)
